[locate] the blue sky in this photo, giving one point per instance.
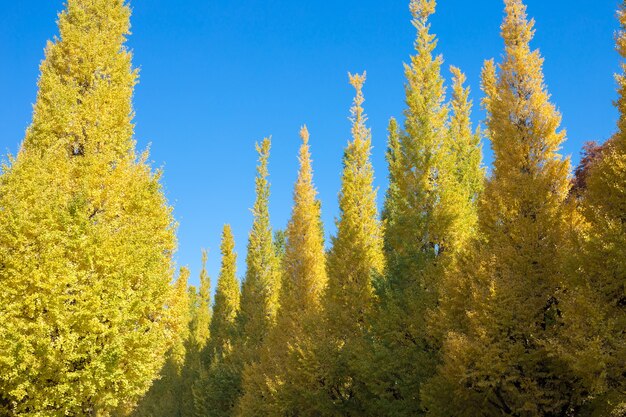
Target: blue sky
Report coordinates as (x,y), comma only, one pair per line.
(218,75)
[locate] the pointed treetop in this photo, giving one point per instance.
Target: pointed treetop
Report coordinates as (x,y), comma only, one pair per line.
(228,241)
(517,30)
(394,152)
(518,86)
(304,135)
(425,43)
(181,316)
(357,81)
(489,80)
(87,63)
(422,9)
(359,131)
(205,257)
(263,149)
(205,281)
(305,174)
(458,81)
(227,298)
(461,103)
(356,254)
(262,185)
(304,273)
(259,294)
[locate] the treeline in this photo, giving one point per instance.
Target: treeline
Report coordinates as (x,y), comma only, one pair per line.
(469,295)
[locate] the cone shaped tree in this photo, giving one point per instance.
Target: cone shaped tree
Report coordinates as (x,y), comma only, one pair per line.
(354,262)
(260,289)
(227,295)
(86,235)
(417,157)
(259,296)
(503,364)
(272,387)
(434,166)
(218,388)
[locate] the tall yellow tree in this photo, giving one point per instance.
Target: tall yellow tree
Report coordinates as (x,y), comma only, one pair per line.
(274,386)
(502,364)
(261,287)
(430,213)
(259,296)
(86,234)
(417,158)
(218,388)
(595,311)
(354,262)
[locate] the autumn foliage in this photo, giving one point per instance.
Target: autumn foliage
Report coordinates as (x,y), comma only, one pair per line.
(467,295)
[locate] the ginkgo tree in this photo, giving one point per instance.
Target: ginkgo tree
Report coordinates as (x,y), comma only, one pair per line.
(502,361)
(429,212)
(86,234)
(354,262)
(274,386)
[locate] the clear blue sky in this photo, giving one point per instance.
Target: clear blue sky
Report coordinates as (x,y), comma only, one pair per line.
(218,75)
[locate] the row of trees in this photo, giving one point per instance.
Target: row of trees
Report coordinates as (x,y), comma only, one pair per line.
(472,297)
(467,296)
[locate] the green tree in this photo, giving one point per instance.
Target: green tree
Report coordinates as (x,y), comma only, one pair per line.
(201,331)
(195,365)
(218,388)
(434,175)
(260,289)
(460,203)
(191,364)
(86,234)
(354,262)
(503,363)
(227,298)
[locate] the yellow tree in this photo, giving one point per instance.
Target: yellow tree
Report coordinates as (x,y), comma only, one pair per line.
(218,388)
(434,175)
(417,158)
(595,311)
(86,234)
(468,175)
(354,262)
(274,385)
(261,287)
(502,364)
